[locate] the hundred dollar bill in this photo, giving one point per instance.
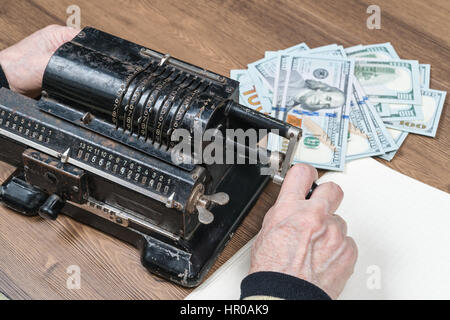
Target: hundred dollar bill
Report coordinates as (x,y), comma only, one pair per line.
(389,112)
(294,50)
(283,59)
(316,97)
(389,81)
(329,50)
(333,50)
(267,68)
(239,75)
(263,93)
(298,48)
(381,51)
(280,80)
(424,75)
(399,137)
(247,92)
(432,104)
(387,142)
(350,49)
(262,72)
(362,139)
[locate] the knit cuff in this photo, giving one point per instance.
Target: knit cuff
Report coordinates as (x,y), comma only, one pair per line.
(280,285)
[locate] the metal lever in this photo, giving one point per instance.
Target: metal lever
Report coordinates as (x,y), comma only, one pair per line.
(262,121)
(204,215)
(220,198)
(294,134)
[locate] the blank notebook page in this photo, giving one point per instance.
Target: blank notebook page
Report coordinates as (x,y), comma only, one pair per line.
(401,227)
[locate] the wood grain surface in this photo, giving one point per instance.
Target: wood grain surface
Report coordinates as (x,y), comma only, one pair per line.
(217,35)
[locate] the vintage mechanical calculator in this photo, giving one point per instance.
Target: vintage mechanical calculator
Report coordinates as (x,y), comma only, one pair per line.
(97,147)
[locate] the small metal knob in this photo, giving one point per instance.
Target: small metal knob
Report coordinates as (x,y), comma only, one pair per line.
(204,215)
(220,198)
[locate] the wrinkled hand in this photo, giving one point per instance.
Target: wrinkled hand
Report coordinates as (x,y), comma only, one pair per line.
(24,63)
(304,238)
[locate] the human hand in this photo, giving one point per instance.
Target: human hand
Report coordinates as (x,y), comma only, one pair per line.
(24,63)
(303,238)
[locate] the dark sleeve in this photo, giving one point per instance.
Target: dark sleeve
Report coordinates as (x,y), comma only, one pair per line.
(3,81)
(274,285)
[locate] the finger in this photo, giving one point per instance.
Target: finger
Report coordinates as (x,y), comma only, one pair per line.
(353,251)
(334,236)
(69,33)
(65,34)
(331,193)
(297,182)
(341,222)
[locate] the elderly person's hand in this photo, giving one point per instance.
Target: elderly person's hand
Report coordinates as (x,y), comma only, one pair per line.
(24,63)
(304,238)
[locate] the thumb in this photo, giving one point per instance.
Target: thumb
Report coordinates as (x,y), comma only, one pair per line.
(68,33)
(57,35)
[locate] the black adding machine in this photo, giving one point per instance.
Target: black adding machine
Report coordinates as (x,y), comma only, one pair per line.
(97,146)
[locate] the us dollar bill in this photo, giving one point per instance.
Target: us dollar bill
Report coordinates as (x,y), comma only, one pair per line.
(280,81)
(329,51)
(381,51)
(362,139)
(399,137)
(284,59)
(240,75)
(316,97)
(294,50)
(263,93)
(387,142)
(389,81)
(262,72)
(432,105)
(247,91)
(424,75)
(350,49)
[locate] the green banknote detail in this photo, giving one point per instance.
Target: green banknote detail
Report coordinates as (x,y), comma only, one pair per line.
(387,142)
(390,81)
(382,51)
(398,112)
(363,140)
(425,70)
(432,105)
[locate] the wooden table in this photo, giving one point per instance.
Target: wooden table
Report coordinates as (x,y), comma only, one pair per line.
(218,35)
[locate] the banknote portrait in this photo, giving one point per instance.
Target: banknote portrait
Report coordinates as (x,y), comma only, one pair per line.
(313,95)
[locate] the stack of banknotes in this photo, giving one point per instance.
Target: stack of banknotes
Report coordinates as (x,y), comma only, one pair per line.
(351,103)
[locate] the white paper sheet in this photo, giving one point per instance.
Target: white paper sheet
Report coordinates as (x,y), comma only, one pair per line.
(401,227)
